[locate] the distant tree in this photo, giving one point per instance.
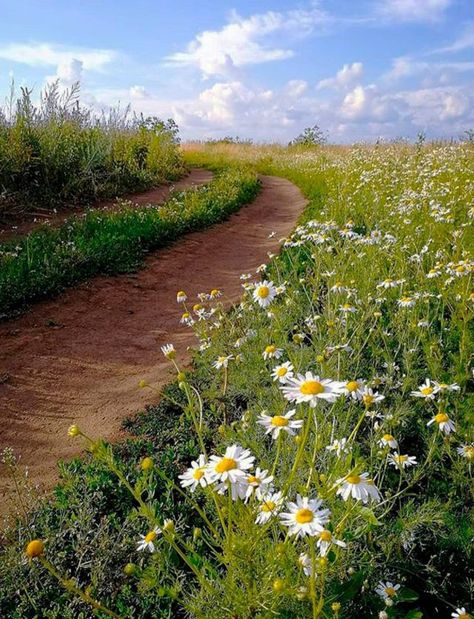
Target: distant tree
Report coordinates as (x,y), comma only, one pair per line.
(311,136)
(468,136)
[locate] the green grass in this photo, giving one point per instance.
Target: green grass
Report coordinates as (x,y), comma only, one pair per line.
(115,241)
(419,535)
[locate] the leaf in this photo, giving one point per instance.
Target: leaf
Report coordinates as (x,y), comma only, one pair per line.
(414,614)
(404,594)
(349,589)
(370,517)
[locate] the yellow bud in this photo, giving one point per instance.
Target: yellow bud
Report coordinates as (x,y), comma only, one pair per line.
(336,607)
(142,384)
(34,549)
(297,439)
(280,548)
(130,569)
(302,593)
(278,585)
(147,464)
(73,431)
(323,477)
(168,526)
(197,533)
(320,358)
(377,314)
(323,562)
(181,377)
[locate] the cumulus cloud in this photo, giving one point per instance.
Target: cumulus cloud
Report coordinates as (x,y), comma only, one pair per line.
(46,54)
(413,10)
(243,41)
(345,77)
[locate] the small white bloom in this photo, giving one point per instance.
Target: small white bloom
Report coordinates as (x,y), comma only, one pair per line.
(231,466)
(305,517)
(310,388)
(402,461)
(283,372)
(195,475)
(387,589)
(445,424)
(269,507)
(222,361)
(264,293)
(147,542)
(360,487)
(272,352)
(274,424)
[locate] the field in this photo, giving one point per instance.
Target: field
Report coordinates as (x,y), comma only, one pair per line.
(315,460)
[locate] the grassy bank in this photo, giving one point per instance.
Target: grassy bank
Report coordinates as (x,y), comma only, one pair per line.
(58,153)
(114,241)
(373,293)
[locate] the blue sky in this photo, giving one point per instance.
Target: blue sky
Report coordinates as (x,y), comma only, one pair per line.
(265,69)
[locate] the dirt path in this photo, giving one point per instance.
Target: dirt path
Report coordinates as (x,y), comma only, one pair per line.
(24,223)
(78,358)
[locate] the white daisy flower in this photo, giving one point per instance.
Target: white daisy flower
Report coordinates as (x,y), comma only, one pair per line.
(390,283)
(283,372)
(259,483)
(304,517)
(466,451)
(360,487)
(354,388)
(231,466)
(442,387)
(339,446)
(347,308)
(401,461)
(387,590)
(388,439)
(169,351)
(406,302)
(445,424)
(195,475)
(338,287)
(187,319)
(325,541)
(272,352)
(147,542)
(280,423)
(181,296)
(305,561)
(310,388)
(269,507)
(370,397)
(222,362)
(264,293)
(460,613)
(427,391)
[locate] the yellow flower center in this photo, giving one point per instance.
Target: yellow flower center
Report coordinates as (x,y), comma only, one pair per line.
(214,292)
(281,371)
(347,306)
(426,390)
(279,421)
(263,292)
(268,506)
(226,464)
(181,294)
(464,616)
(469,451)
(325,536)
(221,359)
(401,458)
(352,385)
(390,591)
(198,473)
(443,385)
(441,418)
(460,268)
(186,315)
(387,437)
(304,515)
(368,399)
(353,479)
(253,480)
(406,299)
(311,387)
(197,307)
(150,537)
(270,349)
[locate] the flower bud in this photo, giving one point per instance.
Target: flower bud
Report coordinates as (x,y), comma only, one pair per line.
(130,569)
(336,607)
(278,585)
(147,464)
(73,431)
(142,384)
(35,548)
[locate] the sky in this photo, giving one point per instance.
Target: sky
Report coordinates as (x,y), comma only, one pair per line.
(260,69)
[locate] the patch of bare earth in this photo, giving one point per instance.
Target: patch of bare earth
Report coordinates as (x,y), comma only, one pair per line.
(78,358)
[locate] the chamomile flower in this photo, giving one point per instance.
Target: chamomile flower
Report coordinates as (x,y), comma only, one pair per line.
(231,466)
(360,487)
(443,387)
(388,440)
(445,424)
(340,446)
(269,507)
(460,613)
(370,397)
(214,294)
(147,542)
(387,590)
(169,351)
(466,451)
(354,389)
(347,308)
(427,391)
(325,541)
(305,561)
(259,483)
(305,517)
(222,361)
(401,461)
(406,302)
(283,372)
(264,293)
(195,475)
(390,283)
(310,388)
(272,352)
(274,424)
(181,296)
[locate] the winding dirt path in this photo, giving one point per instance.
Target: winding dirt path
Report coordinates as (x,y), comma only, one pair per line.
(78,358)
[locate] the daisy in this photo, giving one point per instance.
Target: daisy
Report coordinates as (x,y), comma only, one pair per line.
(231,466)
(169,351)
(147,542)
(406,302)
(354,388)
(181,296)
(215,294)
(264,293)
(269,507)
(186,319)
(283,372)
(360,487)
(304,517)
(272,352)
(347,308)
(339,446)
(195,475)
(460,613)
(402,461)
(222,362)
(309,388)
(338,287)
(305,561)
(387,590)
(370,397)
(258,483)
(389,283)
(325,540)
(466,451)
(426,391)
(388,439)
(280,423)
(445,424)
(442,387)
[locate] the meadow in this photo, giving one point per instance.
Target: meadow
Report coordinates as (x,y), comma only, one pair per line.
(316,460)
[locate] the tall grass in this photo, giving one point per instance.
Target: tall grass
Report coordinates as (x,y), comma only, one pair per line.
(57,152)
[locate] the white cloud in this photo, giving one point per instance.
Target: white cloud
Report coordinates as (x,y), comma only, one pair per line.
(413,10)
(46,54)
(406,66)
(139,92)
(345,77)
(464,41)
(241,41)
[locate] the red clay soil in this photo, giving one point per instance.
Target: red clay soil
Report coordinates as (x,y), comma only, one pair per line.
(78,358)
(23,223)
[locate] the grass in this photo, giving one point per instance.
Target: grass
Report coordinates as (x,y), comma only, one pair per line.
(115,241)
(58,153)
(379,221)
